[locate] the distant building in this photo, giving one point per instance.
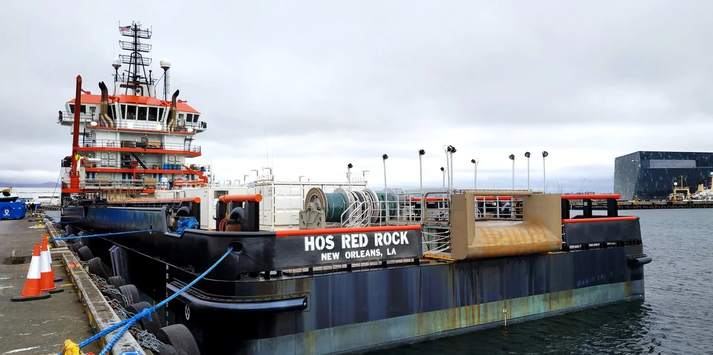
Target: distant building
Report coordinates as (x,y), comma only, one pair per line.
(651,175)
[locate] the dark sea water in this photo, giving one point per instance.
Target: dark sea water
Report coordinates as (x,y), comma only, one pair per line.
(674,318)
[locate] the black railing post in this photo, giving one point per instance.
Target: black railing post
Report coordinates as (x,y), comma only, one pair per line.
(612,207)
(565,209)
(587,208)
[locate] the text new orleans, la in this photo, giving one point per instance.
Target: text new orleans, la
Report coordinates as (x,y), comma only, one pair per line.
(368,247)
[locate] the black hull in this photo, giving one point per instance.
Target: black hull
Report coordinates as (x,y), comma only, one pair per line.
(354,309)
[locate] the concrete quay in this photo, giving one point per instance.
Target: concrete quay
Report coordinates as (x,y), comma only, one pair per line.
(41,326)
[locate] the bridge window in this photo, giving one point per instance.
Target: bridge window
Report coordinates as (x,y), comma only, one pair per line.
(153,112)
(129,112)
(195,118)
(160,114)
(83,108)
(143,112)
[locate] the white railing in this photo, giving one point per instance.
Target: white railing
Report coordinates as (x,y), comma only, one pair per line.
(357,215)
(436,240)
(68,118)
(124,184)
(149,144)
(146,125)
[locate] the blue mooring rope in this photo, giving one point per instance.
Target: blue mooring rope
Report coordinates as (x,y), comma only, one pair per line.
(146,312)
(99,235)
(68,222)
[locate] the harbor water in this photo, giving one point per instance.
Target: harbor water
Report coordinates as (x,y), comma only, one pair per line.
(673,319)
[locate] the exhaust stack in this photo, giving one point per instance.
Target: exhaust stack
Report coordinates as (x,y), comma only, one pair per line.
(172,113)
(104,106)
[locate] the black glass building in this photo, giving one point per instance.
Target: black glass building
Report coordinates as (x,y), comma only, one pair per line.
(651,175)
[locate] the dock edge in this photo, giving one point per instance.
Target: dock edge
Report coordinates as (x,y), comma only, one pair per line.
(101,315)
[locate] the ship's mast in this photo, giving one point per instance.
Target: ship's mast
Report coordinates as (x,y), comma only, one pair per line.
(136,81)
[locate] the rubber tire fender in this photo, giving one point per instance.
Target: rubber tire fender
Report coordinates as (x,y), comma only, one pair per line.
(153,325)
(85,254)
(180,337)
(131,293)
(116,281)
(96,267)
(78,243)
(165,349)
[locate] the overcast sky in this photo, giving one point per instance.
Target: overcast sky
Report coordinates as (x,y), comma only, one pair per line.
(315,85)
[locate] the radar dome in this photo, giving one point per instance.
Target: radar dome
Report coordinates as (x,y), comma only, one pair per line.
(116,63)
(165,64)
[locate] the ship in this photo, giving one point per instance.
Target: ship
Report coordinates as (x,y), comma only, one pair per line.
(130,143)
(8,195)
(328,267)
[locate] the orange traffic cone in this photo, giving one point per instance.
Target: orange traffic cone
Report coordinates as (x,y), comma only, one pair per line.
(46,278)
(45,240)
(33,288)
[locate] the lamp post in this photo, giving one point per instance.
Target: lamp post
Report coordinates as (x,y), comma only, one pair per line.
(527,155)
(544,176)
(475,173)
(349,175)
(386,196)
(444,176)
(256,174)
(245,178)
(512,157)
(450,150)
(420,175)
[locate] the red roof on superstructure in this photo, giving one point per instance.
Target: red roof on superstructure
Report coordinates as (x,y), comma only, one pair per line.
(139,100)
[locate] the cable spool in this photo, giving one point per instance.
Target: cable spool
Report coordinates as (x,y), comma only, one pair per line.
(333,204)
(388,195)
(349,199)
(373,205)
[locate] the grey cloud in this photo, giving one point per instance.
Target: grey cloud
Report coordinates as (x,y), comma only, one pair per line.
(371,74)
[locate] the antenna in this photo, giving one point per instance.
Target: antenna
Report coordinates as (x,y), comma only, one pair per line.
(165,65)
(141,84)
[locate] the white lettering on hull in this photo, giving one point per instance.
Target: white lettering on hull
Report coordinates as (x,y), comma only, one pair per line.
(356,245)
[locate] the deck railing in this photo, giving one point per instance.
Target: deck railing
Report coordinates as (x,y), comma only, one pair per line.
(124,184)
(150,144)
(67,118)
